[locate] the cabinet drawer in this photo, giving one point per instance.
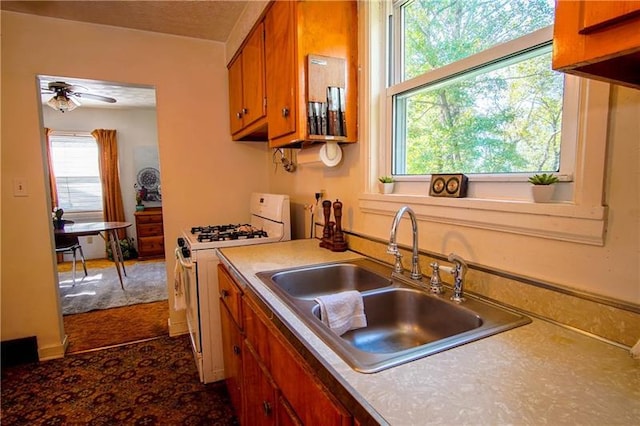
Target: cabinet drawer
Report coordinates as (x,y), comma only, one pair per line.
(151,244)
(149,218)
(149,229)
(230,295)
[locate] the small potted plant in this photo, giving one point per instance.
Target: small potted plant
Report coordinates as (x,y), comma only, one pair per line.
(139,197)
(386,184)
(58,222)
(543,187)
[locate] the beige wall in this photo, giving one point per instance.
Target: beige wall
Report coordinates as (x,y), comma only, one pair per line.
(612,270)
(206,177)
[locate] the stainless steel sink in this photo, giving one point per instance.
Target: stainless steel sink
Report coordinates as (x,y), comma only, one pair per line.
(404,323)
(309,283)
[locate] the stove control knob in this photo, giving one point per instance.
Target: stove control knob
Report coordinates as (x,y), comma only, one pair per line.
(181,242)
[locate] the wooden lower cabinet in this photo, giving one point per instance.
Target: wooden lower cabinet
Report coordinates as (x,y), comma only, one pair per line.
(260,392)
(276,386)
(232,355)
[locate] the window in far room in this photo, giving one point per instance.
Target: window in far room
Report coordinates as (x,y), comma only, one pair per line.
(77,172)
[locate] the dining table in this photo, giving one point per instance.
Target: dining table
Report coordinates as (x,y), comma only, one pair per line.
(109,233)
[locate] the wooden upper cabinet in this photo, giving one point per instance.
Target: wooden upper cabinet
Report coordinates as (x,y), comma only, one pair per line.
(247,93)
(294,30)
(598,39)
(280,69)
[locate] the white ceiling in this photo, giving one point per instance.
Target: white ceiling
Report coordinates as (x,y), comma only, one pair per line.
(125,96)
(208,19)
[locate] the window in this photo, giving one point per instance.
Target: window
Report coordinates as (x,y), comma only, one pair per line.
(495,202)
(472,88)
(77,172)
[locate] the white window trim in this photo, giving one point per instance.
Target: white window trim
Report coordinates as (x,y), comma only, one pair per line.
(582,219)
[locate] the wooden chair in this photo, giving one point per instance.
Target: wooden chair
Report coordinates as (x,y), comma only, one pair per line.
(70,244)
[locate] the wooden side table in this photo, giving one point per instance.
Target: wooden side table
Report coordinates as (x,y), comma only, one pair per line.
(150,233)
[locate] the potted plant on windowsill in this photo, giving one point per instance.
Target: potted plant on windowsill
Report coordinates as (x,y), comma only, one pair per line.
(386,184)
(543,187)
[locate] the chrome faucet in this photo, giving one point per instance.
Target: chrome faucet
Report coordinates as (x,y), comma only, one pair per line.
(392,248)
(458,271)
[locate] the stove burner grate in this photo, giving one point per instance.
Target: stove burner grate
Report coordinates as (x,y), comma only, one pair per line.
(227,232)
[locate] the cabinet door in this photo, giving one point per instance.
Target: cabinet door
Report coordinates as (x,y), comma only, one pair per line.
(280,65)
(260,391)
(232,356)
(253,77)
(235,95)
(598,39)
(599,14)
(285,414)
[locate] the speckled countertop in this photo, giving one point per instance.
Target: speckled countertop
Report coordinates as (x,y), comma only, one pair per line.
(539,373)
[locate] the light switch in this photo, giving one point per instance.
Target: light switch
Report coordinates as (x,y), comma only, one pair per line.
(20,187)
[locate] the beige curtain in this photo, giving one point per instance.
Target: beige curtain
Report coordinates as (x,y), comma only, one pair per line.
(110,176)
(52,176)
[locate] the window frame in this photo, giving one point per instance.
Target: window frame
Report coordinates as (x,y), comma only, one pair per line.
(501,53)
(79,214)
(580,218)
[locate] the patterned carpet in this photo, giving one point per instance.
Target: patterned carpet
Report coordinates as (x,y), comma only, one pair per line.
(149,383)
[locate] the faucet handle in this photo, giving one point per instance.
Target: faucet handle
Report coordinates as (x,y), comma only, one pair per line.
(458,271)
(436,281)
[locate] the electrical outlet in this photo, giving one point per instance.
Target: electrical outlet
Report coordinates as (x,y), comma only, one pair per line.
(90,239)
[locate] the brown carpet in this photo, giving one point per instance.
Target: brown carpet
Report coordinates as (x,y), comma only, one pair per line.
(150,383)
(108,327)
(115,326)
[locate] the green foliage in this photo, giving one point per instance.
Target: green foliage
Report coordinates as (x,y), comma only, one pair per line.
(127,248)
(504,120)
(543,179)
(385,179)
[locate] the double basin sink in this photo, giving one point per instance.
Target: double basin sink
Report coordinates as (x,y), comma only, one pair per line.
(404,322)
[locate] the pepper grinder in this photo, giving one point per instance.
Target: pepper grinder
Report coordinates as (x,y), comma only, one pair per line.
(339,244)
(326,230)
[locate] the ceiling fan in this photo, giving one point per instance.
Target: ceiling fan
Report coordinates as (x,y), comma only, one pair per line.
(64,96)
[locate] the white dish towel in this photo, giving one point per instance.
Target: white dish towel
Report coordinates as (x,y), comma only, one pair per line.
(343,311)
(179,301)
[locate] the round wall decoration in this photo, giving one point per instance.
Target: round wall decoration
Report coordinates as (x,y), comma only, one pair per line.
(149,178)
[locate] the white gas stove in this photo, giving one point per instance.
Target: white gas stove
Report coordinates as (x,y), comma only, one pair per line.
(196,253)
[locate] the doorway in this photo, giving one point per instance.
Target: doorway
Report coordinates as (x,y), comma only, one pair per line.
(72,108)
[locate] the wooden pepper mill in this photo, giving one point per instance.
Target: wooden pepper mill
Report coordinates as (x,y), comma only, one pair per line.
(339,244)
(327,230)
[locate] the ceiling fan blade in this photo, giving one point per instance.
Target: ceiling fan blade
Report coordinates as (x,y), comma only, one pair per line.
(94,97)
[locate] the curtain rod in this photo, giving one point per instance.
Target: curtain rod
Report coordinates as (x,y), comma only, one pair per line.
(71,132)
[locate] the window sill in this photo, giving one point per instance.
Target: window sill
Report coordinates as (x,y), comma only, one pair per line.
(561,221)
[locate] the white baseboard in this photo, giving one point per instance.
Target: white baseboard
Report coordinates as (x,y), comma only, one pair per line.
(47,353)
(177,328)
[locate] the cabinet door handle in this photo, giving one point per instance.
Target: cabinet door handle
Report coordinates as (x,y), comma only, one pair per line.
(236,349)
(239,115)
(266,408)
(245,111)
(224,294)
(285,112)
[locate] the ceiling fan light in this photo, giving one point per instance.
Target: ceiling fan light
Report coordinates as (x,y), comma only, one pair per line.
(63,103)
